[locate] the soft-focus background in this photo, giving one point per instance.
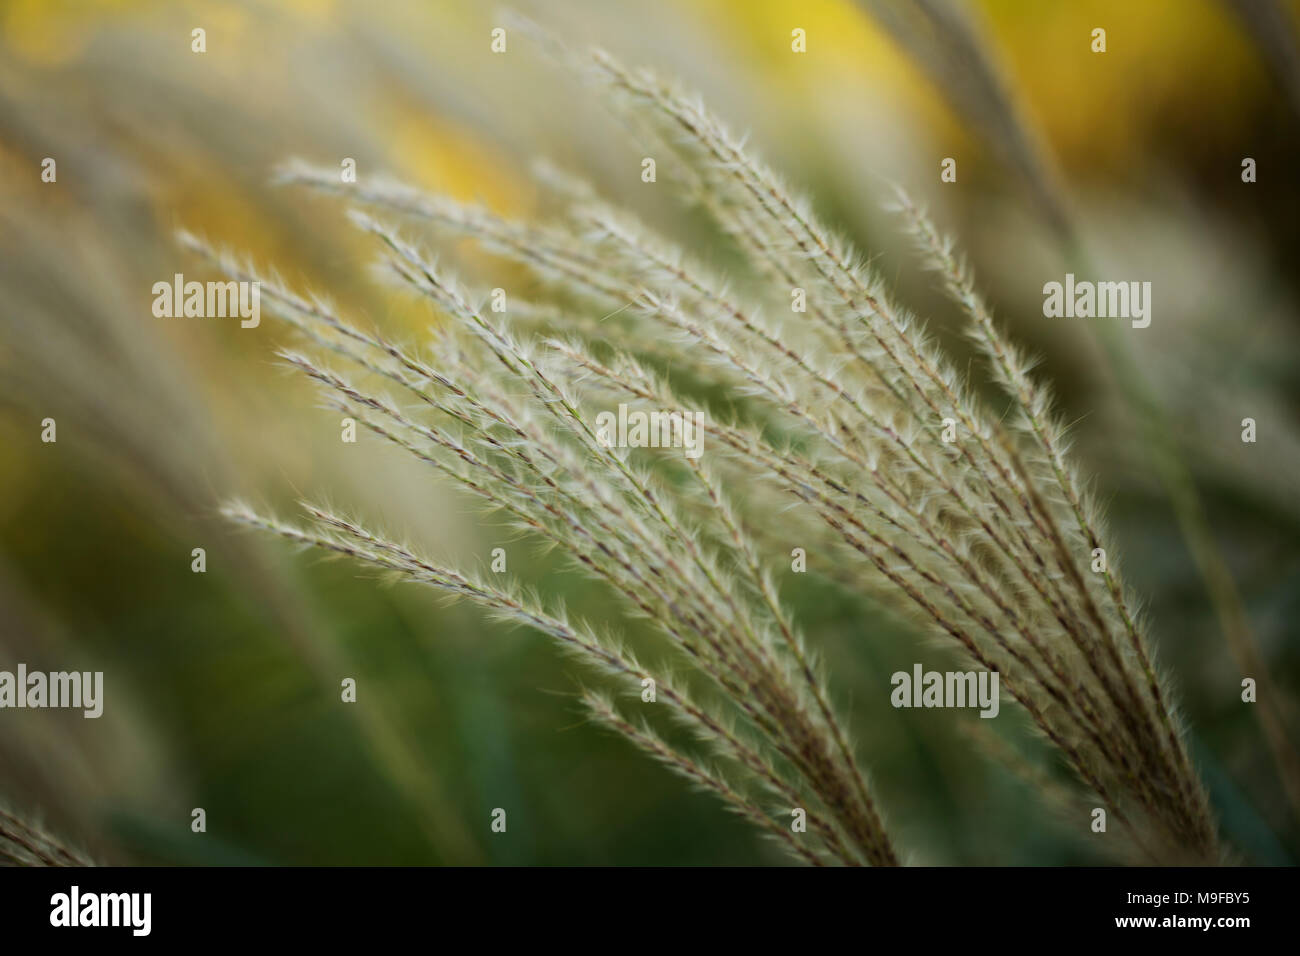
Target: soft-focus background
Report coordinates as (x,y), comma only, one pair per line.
(222,688)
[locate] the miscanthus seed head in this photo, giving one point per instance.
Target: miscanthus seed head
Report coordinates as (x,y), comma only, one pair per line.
(834,418)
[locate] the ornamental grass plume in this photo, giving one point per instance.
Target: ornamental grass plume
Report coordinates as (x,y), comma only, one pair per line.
(971,522)
(24,842)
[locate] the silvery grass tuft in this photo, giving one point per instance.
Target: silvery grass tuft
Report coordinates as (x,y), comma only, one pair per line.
(25,842)
(839,412)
